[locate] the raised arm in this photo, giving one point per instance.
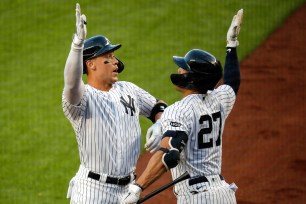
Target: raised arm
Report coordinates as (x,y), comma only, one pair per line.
(231,75)
(74,86)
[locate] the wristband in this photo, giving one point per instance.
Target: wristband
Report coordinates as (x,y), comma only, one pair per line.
(159,107)
(136,184)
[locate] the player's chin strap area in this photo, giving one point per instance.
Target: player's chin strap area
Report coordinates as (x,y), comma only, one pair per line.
(177,142)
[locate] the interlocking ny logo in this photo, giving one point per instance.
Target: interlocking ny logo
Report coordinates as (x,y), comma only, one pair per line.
(129,105)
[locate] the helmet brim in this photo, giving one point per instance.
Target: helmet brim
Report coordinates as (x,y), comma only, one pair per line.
(108,48)
(180,61)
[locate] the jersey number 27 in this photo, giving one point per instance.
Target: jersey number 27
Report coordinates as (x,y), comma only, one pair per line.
(209,119)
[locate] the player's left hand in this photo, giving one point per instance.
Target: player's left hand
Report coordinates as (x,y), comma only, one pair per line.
(153,137)
(234,29)
(133,195)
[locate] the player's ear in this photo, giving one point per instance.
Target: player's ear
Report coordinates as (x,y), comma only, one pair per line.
(90,65)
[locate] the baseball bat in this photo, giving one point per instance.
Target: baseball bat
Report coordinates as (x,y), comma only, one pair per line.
(183,177)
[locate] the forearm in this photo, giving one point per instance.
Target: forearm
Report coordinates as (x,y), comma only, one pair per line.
(74,86)
(153,171)
(158,115)
(231,75)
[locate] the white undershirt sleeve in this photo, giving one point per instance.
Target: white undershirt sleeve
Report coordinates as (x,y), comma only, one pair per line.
(74,86)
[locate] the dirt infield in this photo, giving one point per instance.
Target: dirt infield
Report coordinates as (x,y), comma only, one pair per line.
(264,143)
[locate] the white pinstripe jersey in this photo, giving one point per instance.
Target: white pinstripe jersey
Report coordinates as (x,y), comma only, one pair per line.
(202,118)
(107,127)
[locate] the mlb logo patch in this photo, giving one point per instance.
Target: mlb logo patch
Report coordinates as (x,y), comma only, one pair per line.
(175,124)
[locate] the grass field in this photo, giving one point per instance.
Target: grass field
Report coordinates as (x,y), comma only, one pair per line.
(38,151)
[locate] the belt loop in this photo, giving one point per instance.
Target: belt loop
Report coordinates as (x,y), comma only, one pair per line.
(133,176)
(103,178)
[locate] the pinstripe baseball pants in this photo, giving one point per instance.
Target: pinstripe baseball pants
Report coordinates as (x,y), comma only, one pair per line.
(214,191)
(84,190)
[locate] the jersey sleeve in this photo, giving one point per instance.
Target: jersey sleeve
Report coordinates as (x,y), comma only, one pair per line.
(73,112)
(177,118)
(226,96)
(73,84)
(231,74)
(145,100)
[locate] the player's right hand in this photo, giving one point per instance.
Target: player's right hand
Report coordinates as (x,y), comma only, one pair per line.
(153,137)
(81,30)
(133,195)
(234,29)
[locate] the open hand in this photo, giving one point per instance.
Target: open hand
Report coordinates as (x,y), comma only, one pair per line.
(234,29)
(81,30)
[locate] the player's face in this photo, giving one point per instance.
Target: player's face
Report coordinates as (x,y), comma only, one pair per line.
(181,71)
(105,68)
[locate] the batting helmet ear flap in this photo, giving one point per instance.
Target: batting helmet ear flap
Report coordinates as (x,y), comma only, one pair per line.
(203,83)
(181,80)
(120,65)
(85,67)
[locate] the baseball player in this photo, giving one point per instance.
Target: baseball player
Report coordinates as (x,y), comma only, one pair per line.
(104,114)
(193,127)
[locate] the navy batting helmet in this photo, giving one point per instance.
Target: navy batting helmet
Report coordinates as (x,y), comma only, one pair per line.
(96,46)
(204,71)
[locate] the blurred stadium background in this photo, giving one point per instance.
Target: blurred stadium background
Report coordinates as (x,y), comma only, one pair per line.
(38,149)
